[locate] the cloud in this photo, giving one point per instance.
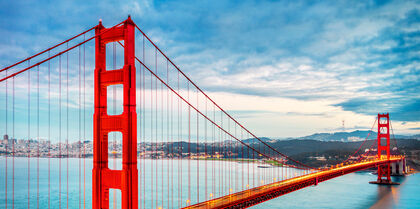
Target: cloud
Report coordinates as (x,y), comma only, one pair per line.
(297,59)
(396,88)
(400,109)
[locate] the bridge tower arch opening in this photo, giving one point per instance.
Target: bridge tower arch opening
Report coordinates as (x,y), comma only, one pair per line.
(104,178)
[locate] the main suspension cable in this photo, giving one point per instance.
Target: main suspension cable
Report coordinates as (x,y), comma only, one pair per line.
(58,54)
(47,50)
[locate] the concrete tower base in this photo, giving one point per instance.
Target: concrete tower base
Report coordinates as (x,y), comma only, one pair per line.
(384,182)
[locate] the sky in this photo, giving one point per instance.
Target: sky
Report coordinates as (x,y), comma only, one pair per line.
(282,68)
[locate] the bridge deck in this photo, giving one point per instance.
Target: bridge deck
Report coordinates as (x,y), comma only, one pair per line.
(260,194)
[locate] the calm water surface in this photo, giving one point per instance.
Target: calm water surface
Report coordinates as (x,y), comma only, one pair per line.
(350,191)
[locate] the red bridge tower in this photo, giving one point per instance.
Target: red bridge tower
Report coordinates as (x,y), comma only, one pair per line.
(103,178)
(384,171)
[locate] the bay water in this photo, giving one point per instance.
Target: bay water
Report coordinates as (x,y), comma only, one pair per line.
(162,183)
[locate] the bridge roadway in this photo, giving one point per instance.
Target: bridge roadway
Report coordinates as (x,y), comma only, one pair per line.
(261,194)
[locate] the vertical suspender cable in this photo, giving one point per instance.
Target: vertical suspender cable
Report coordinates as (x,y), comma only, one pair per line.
(49,133)
(243,161)
(223,154)
(225,138)
(80,133)
(37,131)
(139,134)
(151,138)
(233,151)
(8,140)
(253,163)
(140,124)
(265,171)
(220,162)
(59,136)
(198,159)
(161,158)
(84,123)
(162,134)
(29,133)
(168,154)
(67,131)
(205,151)
(144,129)
(236,150)
(213,189)
(282,167)
(189,145)
(228,149)
(156,128)
(259,174)
(180,149)
(172,152)
(249,162)
(144,136)
(13,148)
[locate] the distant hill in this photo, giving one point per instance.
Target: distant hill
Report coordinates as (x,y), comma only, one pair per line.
(296,146)
(350,136)
(337,151)
(253,140)
(353,136)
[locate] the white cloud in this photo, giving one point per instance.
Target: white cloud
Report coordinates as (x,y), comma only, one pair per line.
(290,63)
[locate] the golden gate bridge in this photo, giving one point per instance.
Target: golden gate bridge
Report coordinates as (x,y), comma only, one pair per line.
(162,115)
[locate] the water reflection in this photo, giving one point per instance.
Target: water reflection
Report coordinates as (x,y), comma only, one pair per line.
(388,195)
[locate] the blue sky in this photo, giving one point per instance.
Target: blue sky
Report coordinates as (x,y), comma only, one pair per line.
(284,68)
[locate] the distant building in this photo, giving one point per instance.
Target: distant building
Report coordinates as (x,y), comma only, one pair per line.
(319,158)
